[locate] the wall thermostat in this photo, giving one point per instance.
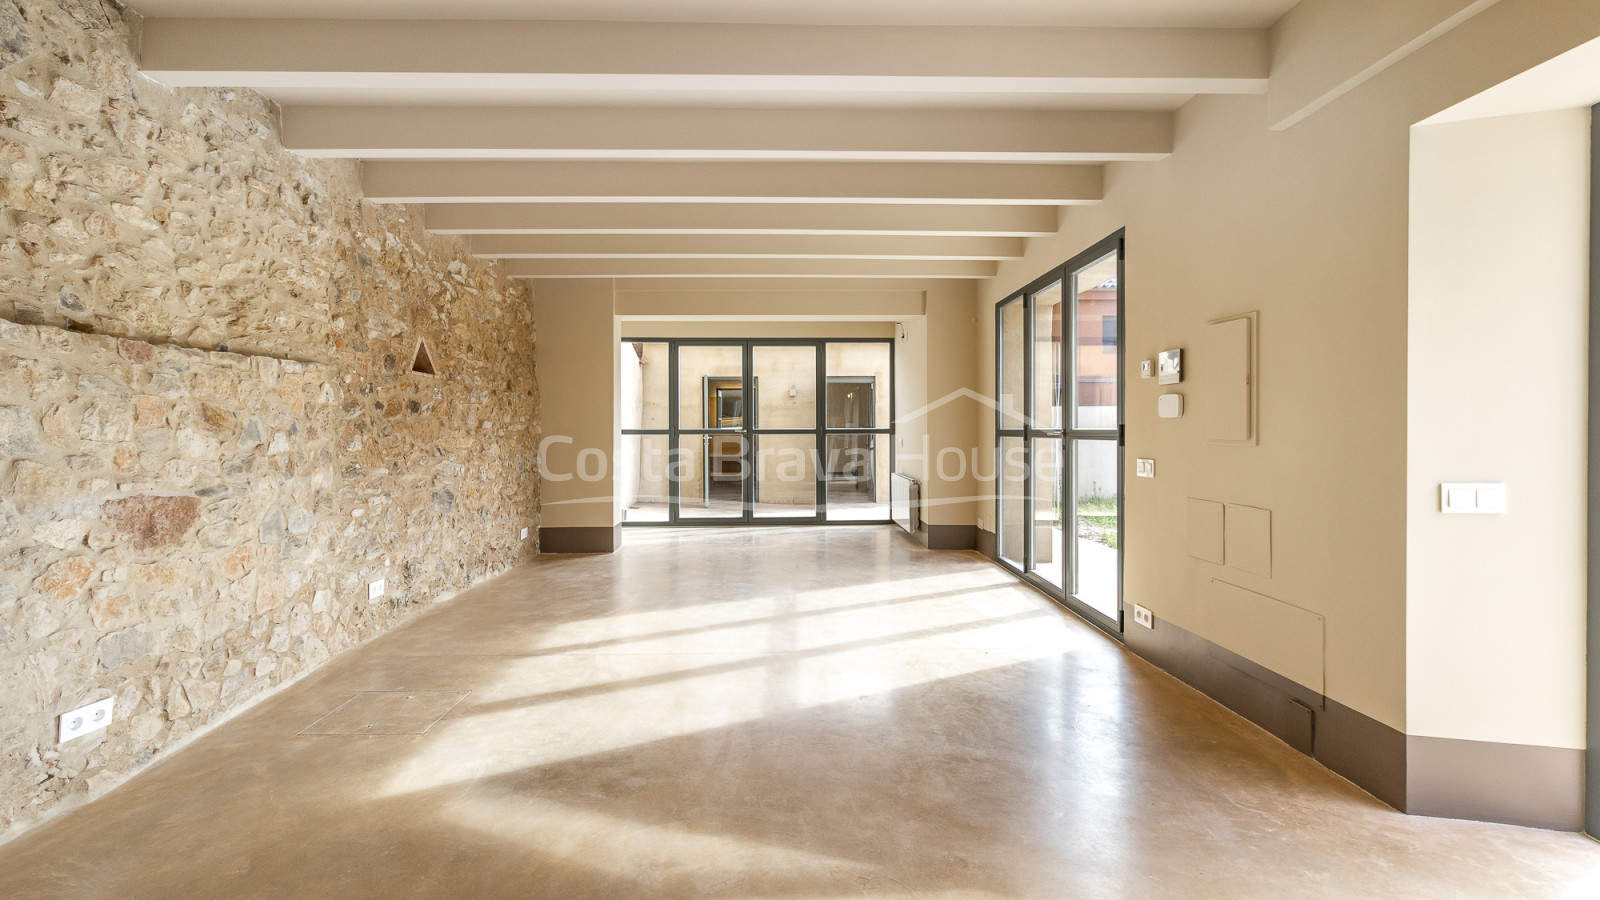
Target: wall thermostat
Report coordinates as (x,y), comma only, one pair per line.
(1170,406)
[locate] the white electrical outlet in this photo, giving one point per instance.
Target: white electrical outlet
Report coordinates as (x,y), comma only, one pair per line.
(1143,616)
(524,534)
(375,589)
(980,524)
(85,719)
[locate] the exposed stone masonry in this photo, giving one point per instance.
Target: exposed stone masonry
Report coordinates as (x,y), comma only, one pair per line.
(211,439)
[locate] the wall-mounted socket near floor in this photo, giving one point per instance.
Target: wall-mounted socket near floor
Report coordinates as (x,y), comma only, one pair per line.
(375,589)
(980,524)
(85,719)
(524,534)
(1143,616)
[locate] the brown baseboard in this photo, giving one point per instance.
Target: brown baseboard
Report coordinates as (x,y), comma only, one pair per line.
(951,537)
(586,539)
(987,544)
(1362,749)
(1517,784)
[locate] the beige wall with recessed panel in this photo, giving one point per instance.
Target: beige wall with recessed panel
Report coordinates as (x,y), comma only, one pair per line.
(1309,227)
(1498,379)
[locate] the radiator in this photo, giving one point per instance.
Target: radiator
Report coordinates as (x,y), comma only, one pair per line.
(905,502)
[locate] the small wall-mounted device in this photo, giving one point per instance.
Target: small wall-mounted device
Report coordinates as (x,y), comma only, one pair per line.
(1145,468)
(1170,367)
(1147,368)
(1170,406)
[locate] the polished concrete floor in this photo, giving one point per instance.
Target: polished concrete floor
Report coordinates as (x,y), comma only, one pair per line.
(783,713)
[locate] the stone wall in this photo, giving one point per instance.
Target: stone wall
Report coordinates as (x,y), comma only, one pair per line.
(211,436)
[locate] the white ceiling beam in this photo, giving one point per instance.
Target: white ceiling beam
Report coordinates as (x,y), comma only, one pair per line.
(898,135)
(740,218)
(742,246)
(746,268)
(532,55)
(479,181)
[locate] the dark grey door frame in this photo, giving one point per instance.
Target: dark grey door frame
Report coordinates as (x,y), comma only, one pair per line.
(751,431)
(1068,434)
(1592,789)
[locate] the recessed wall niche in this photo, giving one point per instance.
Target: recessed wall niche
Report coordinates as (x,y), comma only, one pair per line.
(422,361)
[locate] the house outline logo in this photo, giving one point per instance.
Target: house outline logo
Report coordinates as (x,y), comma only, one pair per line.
(965,394)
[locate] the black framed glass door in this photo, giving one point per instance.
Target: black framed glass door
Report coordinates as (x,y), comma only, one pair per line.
(755,431)
(1059,430)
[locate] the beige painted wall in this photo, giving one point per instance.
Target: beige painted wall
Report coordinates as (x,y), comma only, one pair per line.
(1308,226)
(577,364)
(1498,382)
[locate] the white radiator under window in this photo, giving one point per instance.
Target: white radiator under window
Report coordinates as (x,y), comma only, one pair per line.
(905,502)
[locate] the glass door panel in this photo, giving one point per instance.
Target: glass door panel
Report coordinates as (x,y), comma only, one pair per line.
(643,386)
(1013,375)
(785,385)
(1048,328)
(1096,366)
(711,387)
(642,472)
(785,476)
(857,467)
(1096,514)
(1011,493)
(858,385)
(713,450)
(711,475)
(1049,541)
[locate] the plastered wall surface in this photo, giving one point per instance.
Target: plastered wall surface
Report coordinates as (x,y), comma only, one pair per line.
(210,439)
(1309,227)
(1498,375)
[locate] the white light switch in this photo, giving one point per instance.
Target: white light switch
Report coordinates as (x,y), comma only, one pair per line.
(1147,369)
(375,589)
(1145,468)
(1472,499)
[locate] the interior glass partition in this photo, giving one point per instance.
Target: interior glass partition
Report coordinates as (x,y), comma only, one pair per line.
(1059,433)
(752,431)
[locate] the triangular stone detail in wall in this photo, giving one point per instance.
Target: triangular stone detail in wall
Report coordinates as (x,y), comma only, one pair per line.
(422,362)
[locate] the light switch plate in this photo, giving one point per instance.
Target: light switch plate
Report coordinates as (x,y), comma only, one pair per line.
(524,534)
(85,719)
(1147,369)
(1475,498)
(375,589)
(1145,468)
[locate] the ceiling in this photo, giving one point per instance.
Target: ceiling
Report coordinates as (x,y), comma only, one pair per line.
(1099,13)
(726,139)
